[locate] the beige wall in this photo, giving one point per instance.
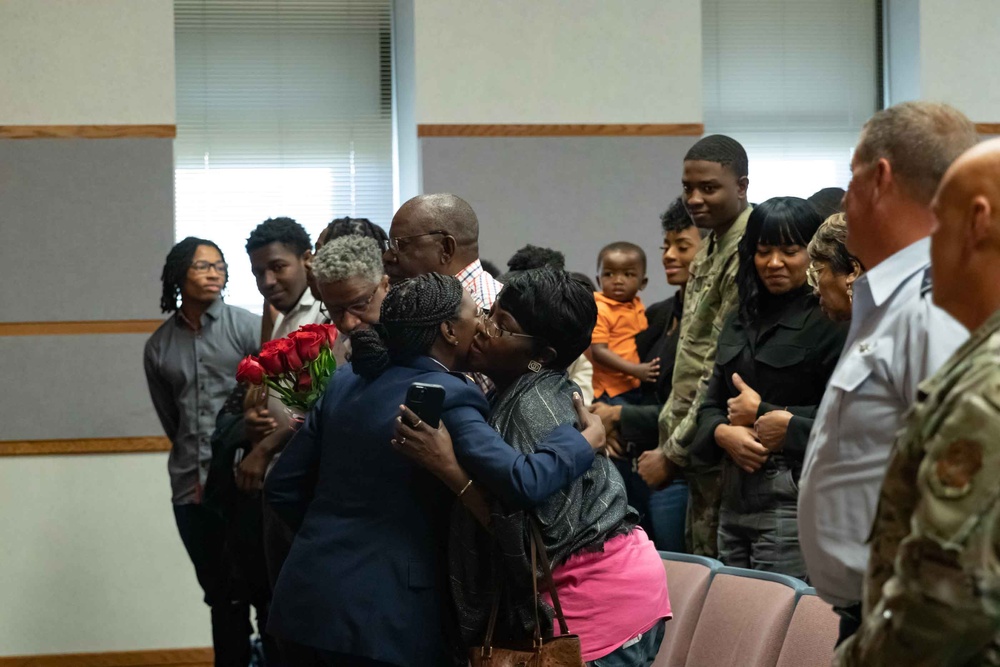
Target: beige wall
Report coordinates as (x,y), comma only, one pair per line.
(958,55)
(83,62)
(90,559)
(558,61)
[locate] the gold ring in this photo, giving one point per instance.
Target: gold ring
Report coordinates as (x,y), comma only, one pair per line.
(417,425)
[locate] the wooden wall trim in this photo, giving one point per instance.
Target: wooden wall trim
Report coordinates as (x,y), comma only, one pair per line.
(533,130)
(88,131)
(988,128)
(175,657)
(79,328)
(150,443)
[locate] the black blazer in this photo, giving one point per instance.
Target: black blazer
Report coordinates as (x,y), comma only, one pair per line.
(638,425)
(788,361)
(366,575)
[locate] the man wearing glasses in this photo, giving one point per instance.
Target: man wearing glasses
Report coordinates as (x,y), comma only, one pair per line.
(439,233)
(190,363)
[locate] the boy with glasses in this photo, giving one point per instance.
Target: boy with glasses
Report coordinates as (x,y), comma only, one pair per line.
(190,363)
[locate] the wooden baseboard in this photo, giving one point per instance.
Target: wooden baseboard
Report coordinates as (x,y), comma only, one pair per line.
(568,130)
(88,131)
(79,328)
(84,446)
(174,657)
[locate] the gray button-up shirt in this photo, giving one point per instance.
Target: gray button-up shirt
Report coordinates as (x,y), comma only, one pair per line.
(190,375)
(897,339)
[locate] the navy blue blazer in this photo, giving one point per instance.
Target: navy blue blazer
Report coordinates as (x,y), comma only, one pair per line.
(367,573)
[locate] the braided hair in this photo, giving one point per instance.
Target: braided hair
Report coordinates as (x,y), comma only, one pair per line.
(176,267)
(410,321)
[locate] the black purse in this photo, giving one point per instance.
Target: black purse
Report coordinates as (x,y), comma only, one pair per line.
(561,651)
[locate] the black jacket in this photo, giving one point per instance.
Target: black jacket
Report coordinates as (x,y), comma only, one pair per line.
(639,422)
(787,357)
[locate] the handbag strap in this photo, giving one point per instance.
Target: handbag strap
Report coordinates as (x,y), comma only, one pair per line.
(537,553)
(536,539)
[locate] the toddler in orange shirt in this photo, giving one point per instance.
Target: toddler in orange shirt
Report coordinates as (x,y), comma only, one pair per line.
(618,374)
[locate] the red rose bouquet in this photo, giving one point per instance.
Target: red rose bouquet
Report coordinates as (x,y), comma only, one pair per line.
(297,367)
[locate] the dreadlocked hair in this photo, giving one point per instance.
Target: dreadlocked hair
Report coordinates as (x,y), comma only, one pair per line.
(409,323)
(348,226)
(176,267)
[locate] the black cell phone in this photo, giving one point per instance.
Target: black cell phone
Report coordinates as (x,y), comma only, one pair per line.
(426,401)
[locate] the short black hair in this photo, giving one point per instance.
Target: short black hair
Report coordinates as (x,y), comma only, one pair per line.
(777,221)
(827,201)
(280,230)
(552,305)
(722,149)
(622,246)
(176,267)
(676,218)
(348,226)
(535,257)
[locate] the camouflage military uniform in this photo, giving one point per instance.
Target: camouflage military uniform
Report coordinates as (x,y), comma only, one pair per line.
(709,297)
(932,593)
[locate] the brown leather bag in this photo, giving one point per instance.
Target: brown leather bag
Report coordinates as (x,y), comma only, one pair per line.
(561,651)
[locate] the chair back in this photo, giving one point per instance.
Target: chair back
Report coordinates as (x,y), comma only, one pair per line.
(688,579)
(744,619)
(811,635)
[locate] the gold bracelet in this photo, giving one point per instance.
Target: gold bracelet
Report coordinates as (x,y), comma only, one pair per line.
(464,489)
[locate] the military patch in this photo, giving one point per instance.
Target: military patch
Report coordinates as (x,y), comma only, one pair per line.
(957,466)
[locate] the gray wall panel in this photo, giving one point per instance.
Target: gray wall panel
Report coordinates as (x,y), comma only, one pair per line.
(575,194)
(85,226)
(75,387)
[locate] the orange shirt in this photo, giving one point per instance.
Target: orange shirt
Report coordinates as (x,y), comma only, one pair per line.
(617,325)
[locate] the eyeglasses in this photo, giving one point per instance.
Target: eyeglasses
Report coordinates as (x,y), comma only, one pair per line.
(493,330)
(203,267)
(394,240)
(813,273)
(359,309)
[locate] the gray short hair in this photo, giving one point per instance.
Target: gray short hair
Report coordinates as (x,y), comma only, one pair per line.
(348,257)
(829,244)
(920,140)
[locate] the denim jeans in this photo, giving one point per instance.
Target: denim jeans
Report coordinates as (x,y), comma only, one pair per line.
(639,651)
(668,513)
(630,397)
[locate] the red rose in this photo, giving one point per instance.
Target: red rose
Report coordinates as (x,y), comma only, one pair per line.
(289,355)
(271,359)
(331,333)
(308,344)
(250,371)
(304,382)
(328,331)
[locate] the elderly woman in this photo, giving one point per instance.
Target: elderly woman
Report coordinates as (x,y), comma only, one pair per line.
(833,270)
(365,582)
(776,353)
(607,573)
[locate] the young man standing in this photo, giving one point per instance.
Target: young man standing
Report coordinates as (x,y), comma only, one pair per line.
(190,363)
(715,182)
(280,252)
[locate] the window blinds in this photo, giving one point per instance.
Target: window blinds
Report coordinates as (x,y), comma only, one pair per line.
(284,108)
(793,80)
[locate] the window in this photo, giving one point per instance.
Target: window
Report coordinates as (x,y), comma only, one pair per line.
(793,81)
(283,109)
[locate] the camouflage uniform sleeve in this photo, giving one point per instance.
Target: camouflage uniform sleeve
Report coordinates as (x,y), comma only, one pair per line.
(941,606)
(676,446)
